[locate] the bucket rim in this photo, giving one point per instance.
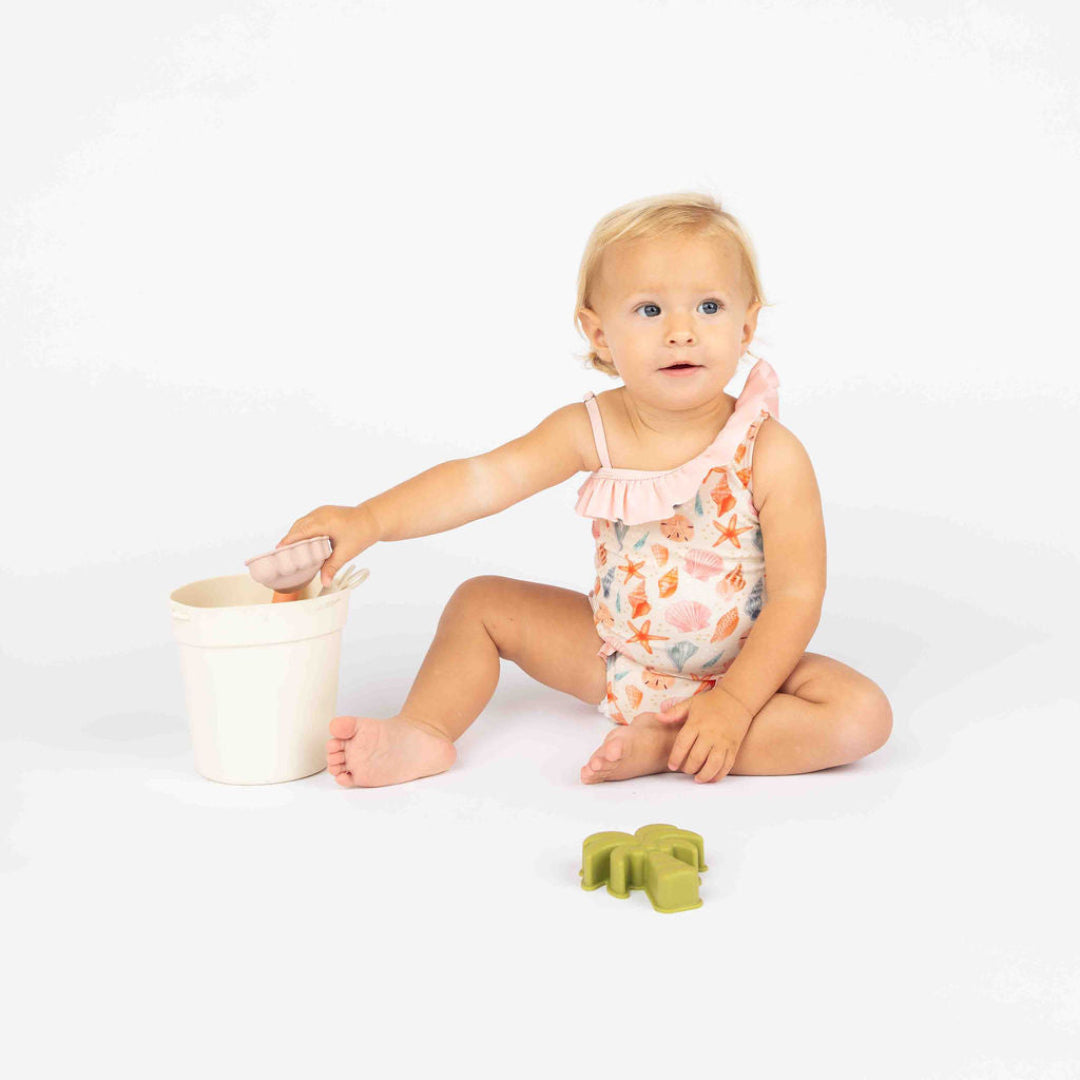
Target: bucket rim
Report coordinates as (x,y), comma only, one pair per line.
(327,597)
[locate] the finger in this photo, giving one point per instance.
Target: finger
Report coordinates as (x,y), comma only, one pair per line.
(729,762)
(303,528)
(715,767)
(698,755)
(674,713)
(297,532)
(683,742)
(335,561)
(340,554)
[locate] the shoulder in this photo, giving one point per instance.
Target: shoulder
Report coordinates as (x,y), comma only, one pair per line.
(780,463)
(568,431)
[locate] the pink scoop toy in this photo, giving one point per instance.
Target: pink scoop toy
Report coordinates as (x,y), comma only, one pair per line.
(288,569)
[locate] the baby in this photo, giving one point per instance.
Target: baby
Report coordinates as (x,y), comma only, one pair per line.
(699,665)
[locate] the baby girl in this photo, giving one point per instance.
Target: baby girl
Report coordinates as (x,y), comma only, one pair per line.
(691,492)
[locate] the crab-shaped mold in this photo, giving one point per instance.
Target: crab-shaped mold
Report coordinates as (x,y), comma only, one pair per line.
(661,859)
(288,568)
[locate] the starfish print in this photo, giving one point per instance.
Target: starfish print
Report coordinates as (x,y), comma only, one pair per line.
(632,569)
(729,532)
(643,636)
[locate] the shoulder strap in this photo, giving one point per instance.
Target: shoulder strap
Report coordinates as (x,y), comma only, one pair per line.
(598,429)
(749,440)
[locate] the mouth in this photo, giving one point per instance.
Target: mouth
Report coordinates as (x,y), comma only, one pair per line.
(681,367)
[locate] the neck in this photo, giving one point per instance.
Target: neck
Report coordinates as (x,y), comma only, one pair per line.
(649,420)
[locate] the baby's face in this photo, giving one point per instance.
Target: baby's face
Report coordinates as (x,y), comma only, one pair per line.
(662,301)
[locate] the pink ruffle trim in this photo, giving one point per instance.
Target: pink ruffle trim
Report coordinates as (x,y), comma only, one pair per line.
(634,497)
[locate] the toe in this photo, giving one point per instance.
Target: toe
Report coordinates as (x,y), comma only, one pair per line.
(336,758)
(343,727)
(596,768)
(612,750)
(344,778)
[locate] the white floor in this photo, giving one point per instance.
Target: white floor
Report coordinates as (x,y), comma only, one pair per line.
(911,915)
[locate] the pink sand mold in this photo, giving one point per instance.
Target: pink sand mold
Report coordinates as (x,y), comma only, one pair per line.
(288,568)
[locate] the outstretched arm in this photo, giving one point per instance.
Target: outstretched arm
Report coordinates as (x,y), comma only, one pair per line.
(462,490)
(453,493)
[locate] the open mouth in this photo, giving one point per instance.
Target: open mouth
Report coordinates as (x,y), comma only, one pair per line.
(679,367)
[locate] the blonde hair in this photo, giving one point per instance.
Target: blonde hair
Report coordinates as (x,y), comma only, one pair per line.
(685,212)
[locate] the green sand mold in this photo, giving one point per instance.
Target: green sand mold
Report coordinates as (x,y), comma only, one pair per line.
(661,859)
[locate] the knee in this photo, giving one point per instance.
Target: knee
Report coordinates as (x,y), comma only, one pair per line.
(868,723)
(475,593)
(488,601)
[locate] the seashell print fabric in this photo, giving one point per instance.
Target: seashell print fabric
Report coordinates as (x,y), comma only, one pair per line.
(674,600)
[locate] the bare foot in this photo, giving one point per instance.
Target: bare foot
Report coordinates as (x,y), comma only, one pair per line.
(365,752)
(636,749)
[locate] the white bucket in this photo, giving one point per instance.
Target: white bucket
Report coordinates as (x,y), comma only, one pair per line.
(260,679)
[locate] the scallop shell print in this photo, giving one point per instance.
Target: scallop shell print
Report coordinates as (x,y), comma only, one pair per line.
(680,652)
(703,564)
(688,616)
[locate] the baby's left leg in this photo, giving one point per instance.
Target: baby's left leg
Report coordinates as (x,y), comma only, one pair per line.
(825,714)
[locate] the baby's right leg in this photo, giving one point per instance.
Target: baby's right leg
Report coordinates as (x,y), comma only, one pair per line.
(546,630)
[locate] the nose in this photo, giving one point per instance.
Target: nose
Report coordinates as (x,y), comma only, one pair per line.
(679,334)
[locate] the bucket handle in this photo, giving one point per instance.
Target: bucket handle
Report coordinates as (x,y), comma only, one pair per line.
(350,578)
(347,579)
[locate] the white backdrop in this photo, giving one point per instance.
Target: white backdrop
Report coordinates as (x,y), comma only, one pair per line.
(256,257)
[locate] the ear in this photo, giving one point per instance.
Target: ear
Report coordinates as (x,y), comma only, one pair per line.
(750,324)
(590,323)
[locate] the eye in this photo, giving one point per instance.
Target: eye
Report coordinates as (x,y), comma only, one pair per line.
(716,303)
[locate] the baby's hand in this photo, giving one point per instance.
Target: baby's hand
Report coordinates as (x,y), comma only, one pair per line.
(715,726)
(351,529)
